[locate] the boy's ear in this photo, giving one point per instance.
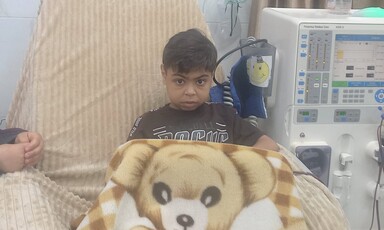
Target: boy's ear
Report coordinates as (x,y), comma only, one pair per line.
(163,71)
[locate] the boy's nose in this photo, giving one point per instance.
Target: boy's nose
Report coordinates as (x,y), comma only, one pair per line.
(190,90)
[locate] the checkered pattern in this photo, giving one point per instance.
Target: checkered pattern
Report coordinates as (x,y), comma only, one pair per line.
(103,212)
(285,195)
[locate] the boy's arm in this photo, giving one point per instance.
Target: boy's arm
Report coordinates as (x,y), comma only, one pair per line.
(11,157)
(265,142)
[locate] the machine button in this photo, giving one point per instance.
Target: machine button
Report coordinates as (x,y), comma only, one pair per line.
(379,95)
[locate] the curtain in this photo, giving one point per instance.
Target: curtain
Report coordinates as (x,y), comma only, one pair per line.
(358,4)
(258,5)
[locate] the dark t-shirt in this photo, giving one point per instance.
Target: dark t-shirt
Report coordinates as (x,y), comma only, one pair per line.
(209,122)
(7,136)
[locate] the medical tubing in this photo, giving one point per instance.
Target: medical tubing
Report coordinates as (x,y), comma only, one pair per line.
(375,204)
(227,96)
(380,158)
(381,169)
(232,51)
(378,215)
(253,120)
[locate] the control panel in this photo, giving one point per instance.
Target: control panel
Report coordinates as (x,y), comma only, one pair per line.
(336,66)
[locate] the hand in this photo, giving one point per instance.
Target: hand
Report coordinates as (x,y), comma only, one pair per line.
(12,157)
(33,148)
(265,142)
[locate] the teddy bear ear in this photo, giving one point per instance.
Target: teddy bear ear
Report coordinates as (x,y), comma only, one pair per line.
(257,173)
(129,163)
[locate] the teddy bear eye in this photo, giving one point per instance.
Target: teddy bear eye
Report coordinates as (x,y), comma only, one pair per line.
(211,196)
(162,193)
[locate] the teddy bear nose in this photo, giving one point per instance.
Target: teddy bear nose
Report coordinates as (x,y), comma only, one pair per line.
(185,220)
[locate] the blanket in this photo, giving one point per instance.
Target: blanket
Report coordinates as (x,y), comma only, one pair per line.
(170,184)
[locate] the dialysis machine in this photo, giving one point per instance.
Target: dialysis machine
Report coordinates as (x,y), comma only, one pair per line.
(326,101)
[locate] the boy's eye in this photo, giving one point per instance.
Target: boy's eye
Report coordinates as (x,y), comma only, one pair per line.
(200,82)
(179,81)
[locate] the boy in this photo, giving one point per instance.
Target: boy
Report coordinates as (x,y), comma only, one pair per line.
(189,61)
(18,149)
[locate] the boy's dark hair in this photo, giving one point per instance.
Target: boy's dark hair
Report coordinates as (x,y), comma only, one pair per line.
(189,50)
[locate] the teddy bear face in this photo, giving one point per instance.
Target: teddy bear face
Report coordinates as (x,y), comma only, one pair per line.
(196,188)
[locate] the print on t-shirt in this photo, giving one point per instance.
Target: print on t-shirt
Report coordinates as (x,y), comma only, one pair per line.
(204,131)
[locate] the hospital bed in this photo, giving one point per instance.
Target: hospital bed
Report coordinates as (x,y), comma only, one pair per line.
(91,69)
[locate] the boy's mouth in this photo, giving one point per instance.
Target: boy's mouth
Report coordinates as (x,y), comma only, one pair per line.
(189,104)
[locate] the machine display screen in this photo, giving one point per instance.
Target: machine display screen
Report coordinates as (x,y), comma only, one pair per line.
(358,60)
(340,64)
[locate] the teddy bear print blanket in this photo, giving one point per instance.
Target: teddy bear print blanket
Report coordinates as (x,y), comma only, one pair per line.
(170,184)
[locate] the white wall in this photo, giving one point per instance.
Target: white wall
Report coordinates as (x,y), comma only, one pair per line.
(218,19)
(17,18)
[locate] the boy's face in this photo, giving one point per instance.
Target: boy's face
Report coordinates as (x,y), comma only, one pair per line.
(187,91)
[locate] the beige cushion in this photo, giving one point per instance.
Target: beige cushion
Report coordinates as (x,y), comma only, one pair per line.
(92,68)
(29,200)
